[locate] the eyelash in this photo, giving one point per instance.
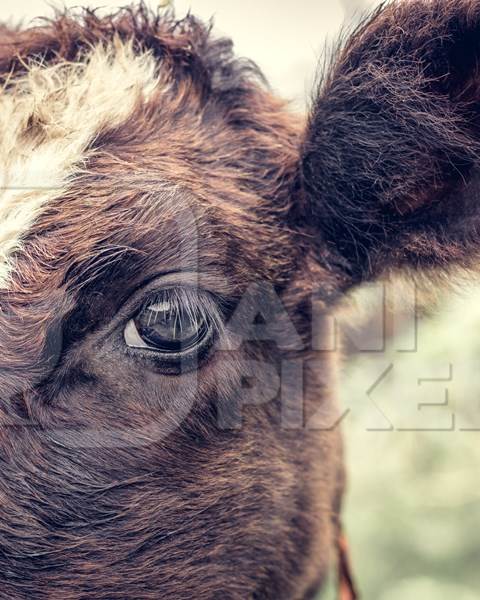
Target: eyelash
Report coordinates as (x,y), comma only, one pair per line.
(185,300)
(192,301)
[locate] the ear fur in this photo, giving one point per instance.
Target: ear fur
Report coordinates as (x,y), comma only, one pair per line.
(392,148)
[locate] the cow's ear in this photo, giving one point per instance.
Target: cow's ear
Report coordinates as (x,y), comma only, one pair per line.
(391,152)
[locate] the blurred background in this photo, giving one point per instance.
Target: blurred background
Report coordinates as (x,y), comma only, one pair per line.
(410,382)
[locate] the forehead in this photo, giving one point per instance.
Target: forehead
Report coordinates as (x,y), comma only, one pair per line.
(107,144)
(50,117)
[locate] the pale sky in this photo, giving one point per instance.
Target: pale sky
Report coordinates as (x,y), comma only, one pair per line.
(285,38)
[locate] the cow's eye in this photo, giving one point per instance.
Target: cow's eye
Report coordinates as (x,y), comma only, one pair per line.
(173,323)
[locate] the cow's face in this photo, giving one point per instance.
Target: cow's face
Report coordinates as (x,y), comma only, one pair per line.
(153,294)
(167,230)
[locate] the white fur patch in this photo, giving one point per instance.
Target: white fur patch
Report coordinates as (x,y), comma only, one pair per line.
(48,117)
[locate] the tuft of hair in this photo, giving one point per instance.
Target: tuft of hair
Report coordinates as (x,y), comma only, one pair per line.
(70,78)
(185,44)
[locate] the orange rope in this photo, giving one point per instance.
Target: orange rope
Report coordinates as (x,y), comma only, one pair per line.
(346,585)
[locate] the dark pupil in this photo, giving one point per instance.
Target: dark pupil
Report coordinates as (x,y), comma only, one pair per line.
(170,328)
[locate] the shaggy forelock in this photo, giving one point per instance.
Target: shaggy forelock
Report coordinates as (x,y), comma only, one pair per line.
(68,81)
(49,117)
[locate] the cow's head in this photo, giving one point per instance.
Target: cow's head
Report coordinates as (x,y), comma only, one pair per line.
(168,429)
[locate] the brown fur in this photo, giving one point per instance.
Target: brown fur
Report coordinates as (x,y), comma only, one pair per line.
(210,512)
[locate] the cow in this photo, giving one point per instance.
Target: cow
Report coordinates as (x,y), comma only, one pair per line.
(170,232)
